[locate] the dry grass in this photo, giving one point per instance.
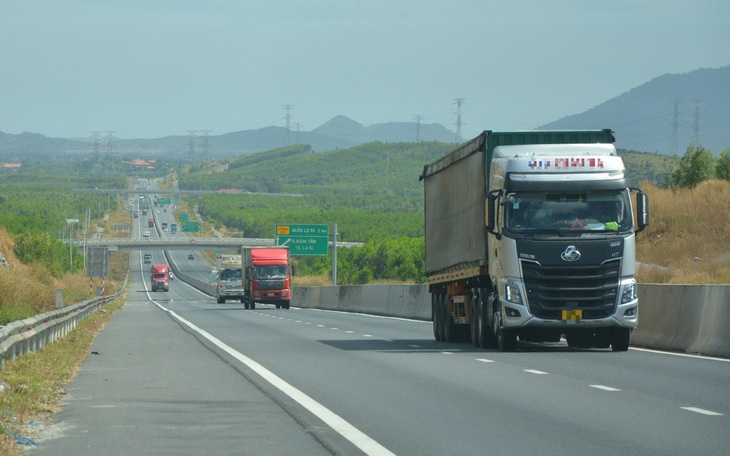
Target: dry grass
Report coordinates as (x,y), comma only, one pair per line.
(34,383)
(689,235)
(322,280)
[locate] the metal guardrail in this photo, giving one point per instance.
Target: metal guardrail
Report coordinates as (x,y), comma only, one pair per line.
(34,333)
(186,243)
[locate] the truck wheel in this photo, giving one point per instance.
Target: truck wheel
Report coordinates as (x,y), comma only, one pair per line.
(506,339)
(435,316)
(278,306)
(440,314)
(486,338)
(245,305)
(620,338)
(473,320)
(449,326)
(253,304)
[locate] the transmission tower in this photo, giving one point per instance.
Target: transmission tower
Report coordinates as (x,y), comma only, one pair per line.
(95,135)
(191,150)
(696,136)
(288,109)
(673,145)
(458,102)
(109,148)
(418,127)
(205,145)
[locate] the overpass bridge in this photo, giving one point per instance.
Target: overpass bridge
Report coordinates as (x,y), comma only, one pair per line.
(186,243)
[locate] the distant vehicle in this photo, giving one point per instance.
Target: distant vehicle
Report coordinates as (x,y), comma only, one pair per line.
(150,222)
(160,277)
(172,276)
(191,256)
(164,226)
(146,234)
(173,228)
(147,258)
(136,214)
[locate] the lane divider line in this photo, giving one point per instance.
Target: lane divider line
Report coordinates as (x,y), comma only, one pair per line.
(702,411)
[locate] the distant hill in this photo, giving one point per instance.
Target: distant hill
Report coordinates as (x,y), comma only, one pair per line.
(643,118)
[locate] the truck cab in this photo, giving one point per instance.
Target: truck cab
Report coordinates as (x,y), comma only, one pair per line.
(160,277)
(563,233)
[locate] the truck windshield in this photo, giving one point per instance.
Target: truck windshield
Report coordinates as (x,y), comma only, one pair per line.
(585,211)
(230,274)
(269,272)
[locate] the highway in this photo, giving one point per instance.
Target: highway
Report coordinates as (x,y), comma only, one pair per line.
(377,385)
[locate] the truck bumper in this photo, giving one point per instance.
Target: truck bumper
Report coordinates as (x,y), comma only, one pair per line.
(518,316)
(271,296)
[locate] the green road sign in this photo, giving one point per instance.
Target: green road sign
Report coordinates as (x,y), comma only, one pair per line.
(190,227)
(181,217)
(164,201)
(303,239)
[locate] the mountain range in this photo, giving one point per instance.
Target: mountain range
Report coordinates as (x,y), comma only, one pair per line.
(663,116)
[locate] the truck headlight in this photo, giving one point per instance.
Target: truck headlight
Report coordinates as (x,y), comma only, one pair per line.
(512,292)
(629,293)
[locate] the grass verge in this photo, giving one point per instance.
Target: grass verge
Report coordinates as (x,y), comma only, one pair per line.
(34,383)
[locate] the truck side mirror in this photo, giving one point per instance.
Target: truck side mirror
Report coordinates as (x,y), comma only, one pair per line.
(642,211)
(491,203)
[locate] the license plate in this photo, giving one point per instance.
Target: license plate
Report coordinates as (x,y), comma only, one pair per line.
(271,295)
(572,315)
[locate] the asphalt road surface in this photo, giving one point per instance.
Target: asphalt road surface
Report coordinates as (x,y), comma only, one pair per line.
(176,373)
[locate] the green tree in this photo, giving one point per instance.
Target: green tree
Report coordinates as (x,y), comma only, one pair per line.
(722,170)
(697,165)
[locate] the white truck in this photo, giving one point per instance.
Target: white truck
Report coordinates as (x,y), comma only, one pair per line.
(530,236)
(229,275)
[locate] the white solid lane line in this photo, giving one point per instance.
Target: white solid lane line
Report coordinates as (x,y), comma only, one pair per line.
(338,424)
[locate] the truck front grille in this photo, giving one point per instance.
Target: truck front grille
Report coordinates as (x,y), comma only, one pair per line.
(552,289)
(270,284)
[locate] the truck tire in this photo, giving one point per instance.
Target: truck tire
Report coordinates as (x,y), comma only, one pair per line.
(450,330)
(253,304)
(435,316)
(440,316)
(506,339)
(473,320)
(220,300)
(486,337)
(620,338)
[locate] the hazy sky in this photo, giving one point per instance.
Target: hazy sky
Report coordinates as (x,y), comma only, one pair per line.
(153,68)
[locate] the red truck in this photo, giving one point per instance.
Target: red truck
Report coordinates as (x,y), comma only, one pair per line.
(160,277)
(266,276)
(151,223)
